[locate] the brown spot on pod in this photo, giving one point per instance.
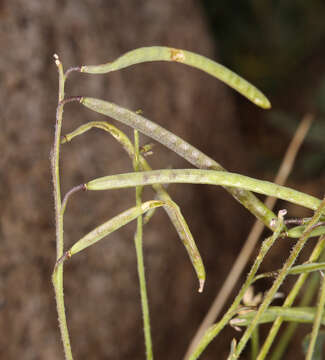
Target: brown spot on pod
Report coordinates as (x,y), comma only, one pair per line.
(177,55)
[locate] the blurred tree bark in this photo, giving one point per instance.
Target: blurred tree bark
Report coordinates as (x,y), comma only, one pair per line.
(102,298)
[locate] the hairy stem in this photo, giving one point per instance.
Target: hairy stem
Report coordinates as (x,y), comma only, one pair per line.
(308,295)
(292,296)
(57,276)
(214,330)
(277,283)
(255,233)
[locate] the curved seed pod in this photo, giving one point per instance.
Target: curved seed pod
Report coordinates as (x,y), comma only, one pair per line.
(161,53)
(174,213)
(125,217)
(182,148)
(186,236)
(294,314)
(111,225)
(211,177)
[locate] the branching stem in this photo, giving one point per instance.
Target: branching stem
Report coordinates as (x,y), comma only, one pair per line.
(57,276)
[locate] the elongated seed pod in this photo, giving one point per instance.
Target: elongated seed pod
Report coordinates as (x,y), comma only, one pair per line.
(127,216)
(211,177)
(161,53)
(172,210)
(112,225)
(294,314)
(182,148)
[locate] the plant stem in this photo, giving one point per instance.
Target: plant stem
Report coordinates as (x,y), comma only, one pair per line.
(255,233)
(138,240)
(57,276)
(255,343)
(291,297)
(317,322)
(307,297)
(277,283)
(214,330)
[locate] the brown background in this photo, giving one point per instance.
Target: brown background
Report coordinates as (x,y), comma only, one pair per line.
(101,290)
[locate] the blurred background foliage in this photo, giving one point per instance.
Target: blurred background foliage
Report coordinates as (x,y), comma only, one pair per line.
(279,46)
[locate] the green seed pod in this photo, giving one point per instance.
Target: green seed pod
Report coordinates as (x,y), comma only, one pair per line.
(125,217)
(111,225)
(161,53)
(294,314)
(298,231)
(211,177)
(181,147)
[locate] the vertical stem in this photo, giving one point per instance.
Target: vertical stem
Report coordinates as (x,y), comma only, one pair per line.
(254,343)
(252,238)
(308,294)
(291,298)
(214,330)
(140,263)
(277,283)
(57,277)
(317,321)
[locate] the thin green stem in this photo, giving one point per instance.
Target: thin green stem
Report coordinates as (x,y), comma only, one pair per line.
(57,277)
(277,283)
(214,330)
(317,322)
(138,239)
(291,298)
(254,343)
(308,295)
(253,237)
